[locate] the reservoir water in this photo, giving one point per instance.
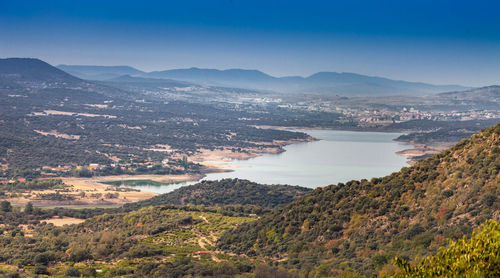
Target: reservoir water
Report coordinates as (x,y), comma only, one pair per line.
(339,156)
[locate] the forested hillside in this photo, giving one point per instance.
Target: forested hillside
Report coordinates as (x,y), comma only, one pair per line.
(228,192)
(343,229)
(361,225)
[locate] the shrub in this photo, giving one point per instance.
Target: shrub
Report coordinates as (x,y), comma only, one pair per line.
(72,272)
(41,269)
(476,257)
(89,272)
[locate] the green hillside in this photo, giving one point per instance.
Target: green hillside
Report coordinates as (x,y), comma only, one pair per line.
(361,225)
(228,192)
(162,241)
(345,230)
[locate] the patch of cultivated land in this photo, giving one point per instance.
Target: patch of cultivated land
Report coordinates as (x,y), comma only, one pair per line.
(64,113)
(61,221)
(88,192)
(58,135)
(157,178)
(197,238)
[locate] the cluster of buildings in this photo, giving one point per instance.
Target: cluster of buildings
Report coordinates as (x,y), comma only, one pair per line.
(408,114)
(391,115)
(59,169)
(368,114)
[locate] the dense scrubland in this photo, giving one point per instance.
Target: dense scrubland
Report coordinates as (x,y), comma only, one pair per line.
(359,226)
(351,229)
(226,192)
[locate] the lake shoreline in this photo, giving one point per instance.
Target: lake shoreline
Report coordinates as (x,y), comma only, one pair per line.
(414,153)
(241,166)
(420,151)
(213,162)
(355,129)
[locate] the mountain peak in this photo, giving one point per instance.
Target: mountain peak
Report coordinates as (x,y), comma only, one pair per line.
(31,69)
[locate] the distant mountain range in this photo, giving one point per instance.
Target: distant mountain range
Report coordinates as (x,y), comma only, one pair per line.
(99,72)
(331,83)
(148,81)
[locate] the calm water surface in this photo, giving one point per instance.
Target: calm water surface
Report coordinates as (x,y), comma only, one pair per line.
(339,156)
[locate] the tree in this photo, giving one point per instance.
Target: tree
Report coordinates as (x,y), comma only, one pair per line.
(185,162)
(476,257)
(5,206)
(28,208)
(41,269)
(84,172)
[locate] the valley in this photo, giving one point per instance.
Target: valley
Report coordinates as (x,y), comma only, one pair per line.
(54,124)
(149,177)
(249,139)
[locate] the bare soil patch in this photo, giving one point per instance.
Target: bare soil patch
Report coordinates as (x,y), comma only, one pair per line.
(61,221)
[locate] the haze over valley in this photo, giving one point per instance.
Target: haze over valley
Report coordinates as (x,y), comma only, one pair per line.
(330,83)
(249,139)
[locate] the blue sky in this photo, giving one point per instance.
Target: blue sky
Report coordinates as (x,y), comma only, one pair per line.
(441,42)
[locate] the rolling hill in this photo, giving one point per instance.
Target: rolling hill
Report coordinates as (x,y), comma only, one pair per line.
(361,225)
(227,192)
(479,98)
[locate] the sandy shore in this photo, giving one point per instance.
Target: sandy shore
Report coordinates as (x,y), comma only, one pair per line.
(285,127)
(419,150)
(205,156)
(158,178)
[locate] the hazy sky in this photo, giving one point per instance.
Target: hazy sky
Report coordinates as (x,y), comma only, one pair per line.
(437,41)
